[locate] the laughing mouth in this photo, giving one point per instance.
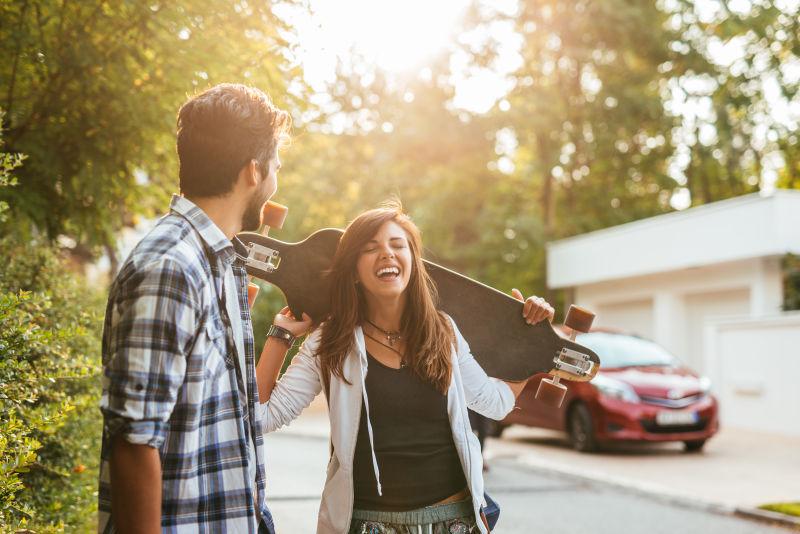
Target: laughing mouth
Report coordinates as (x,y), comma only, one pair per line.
(387,273)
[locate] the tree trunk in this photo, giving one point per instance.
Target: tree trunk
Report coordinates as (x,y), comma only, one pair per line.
(547,205)
(113,261)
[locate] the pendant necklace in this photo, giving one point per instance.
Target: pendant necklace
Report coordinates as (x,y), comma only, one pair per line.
(391,337)
(379,342)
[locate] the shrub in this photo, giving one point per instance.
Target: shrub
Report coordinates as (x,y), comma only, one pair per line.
(49,363)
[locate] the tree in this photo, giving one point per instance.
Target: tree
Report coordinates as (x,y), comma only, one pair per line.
(8,162)
(91,91)
(744,136)
(385,134)
(587,110)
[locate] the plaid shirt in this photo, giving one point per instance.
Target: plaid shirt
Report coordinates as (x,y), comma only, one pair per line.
(171,379)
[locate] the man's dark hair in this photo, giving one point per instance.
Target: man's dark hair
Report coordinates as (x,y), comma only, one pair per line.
(220,131)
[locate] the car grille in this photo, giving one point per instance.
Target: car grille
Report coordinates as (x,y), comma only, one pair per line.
(671,403)
(650,426)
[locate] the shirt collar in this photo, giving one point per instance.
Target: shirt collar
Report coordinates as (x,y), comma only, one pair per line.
(209,232)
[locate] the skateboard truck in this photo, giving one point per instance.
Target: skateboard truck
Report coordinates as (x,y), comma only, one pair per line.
(262,258)
(567,362)
(272,216)
(573,362)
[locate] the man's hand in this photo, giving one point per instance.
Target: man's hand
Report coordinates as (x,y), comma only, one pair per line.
(286,319)
(135,487)
(535,308)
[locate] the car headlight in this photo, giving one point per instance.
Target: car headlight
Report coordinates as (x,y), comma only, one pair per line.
(705,384)
(614,389)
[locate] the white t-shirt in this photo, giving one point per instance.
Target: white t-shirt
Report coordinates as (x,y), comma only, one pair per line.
(232,307)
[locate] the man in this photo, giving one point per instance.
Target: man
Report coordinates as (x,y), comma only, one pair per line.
(182,450)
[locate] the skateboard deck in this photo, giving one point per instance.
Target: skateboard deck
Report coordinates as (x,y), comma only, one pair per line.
(491,321)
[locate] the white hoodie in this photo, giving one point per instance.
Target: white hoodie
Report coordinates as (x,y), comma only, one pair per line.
(470,387)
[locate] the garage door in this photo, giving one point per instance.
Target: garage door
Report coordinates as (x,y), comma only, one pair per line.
(702,308)
(634,316)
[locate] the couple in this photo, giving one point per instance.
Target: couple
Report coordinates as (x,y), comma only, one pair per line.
(185,406)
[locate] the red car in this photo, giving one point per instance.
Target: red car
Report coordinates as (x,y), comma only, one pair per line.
(641,393)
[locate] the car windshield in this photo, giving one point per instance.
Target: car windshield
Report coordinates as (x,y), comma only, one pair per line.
(617,350)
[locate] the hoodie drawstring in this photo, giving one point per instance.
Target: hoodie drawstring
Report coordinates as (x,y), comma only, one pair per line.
(369,430)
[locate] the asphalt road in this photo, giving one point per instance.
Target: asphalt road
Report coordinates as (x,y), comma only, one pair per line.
(531,500)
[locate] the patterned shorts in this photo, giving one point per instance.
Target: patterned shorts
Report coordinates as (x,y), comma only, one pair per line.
(453,518)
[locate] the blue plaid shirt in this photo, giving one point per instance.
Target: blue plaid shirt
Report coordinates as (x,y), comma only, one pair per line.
(171,379)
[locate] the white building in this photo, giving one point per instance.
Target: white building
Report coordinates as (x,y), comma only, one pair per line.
(707,284)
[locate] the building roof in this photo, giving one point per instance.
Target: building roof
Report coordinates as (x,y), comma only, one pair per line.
(749,226)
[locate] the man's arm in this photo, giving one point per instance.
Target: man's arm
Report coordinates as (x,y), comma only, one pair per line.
(155,319)
(135,487)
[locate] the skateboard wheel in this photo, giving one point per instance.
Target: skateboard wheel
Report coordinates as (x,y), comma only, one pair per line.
(550,393)
(273,214)
(252,293)
(579,319)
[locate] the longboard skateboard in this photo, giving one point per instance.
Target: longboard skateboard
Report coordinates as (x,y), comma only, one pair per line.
(491,321)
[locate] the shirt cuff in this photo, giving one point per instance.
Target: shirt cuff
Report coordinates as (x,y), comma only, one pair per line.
(150,433)
(509,400)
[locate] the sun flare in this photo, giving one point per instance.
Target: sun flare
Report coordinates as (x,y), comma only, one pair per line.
(395,35)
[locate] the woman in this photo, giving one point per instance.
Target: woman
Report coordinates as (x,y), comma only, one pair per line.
(399,378)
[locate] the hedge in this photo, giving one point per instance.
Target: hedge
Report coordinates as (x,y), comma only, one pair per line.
(49,387)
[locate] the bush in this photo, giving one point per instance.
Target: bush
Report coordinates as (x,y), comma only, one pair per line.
(791,282)
(49,369)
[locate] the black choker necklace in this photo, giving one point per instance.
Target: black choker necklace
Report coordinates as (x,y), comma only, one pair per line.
(391,337)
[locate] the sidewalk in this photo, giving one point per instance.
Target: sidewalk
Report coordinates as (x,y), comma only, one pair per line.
(738,470)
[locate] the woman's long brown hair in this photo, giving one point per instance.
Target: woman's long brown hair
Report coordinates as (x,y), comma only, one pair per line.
(427,332)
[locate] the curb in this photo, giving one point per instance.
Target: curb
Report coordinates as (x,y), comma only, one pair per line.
(649,490)
(658,493)
(767,515)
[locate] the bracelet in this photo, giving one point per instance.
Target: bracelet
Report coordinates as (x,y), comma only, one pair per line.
(280,333)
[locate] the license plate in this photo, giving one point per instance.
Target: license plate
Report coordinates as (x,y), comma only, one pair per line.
(676,418)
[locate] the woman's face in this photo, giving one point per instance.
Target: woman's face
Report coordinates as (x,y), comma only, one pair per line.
(384,266)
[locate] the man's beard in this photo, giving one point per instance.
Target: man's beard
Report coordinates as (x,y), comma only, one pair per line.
(251,219)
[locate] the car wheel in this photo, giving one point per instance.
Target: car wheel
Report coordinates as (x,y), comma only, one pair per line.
(694,446)
(580,429)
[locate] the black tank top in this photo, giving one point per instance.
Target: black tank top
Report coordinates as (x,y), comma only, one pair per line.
(417,457)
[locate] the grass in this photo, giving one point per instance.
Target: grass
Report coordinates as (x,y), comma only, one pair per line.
(788,508)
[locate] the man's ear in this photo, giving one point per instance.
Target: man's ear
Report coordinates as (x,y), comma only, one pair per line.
(251,173)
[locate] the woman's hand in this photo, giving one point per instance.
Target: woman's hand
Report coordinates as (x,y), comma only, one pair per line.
(535,308)
(286,319)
